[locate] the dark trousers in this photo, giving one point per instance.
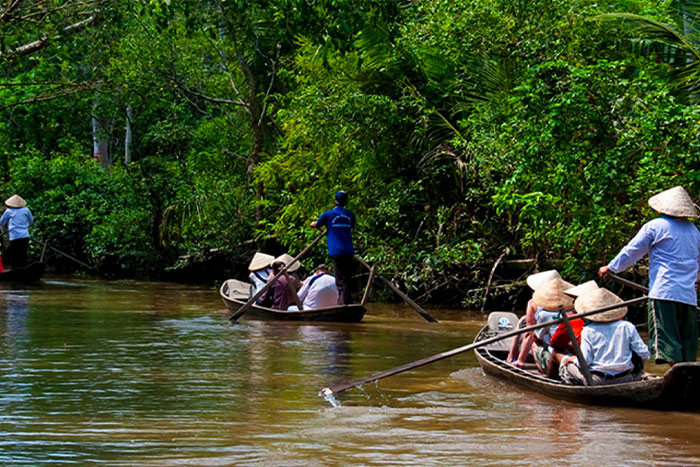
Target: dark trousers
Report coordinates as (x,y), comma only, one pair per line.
(17,253)
(343,267)
(673,331)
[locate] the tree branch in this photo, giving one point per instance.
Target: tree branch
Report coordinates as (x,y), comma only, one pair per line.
(43,41)
(49,97)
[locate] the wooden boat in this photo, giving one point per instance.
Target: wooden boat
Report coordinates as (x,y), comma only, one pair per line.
(30,273)
(677,389)
(236,293)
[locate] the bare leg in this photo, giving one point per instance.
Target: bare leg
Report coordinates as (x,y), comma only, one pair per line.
(515,343)
(528,340)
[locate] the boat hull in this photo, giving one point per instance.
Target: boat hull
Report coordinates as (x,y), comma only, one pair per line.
(338,314)
(30,273)
(678,389)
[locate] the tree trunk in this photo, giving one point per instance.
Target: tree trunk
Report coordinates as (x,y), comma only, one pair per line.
(127,136)
(100,141)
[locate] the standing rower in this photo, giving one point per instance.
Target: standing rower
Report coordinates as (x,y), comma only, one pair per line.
(340,221)
(673,245)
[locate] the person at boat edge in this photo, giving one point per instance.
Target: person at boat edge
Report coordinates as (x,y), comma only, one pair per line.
(672,243)
(16,220)
(522,343)
(259,271)
(609,344)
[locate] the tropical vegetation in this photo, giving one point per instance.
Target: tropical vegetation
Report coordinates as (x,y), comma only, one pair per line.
(478,139)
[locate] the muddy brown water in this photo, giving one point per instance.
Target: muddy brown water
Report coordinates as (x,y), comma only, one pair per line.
(135,373)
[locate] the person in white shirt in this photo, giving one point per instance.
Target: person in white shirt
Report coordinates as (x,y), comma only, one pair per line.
(608,343)
(319,290)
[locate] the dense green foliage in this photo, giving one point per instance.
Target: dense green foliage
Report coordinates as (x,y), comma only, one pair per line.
(467,132)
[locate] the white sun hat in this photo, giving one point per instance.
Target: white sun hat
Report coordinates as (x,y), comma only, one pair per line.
(598,299)
(260,261)
(551,296)
(535,280)
(582,289)
(287,259)
(675,202)
(15,201)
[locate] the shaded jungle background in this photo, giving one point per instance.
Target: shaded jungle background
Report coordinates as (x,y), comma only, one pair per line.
(479,140)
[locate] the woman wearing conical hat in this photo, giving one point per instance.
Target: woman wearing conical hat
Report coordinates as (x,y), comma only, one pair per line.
(259,270)
(673,245)
(522,343)
(548,298)
(16,220)
(608,343)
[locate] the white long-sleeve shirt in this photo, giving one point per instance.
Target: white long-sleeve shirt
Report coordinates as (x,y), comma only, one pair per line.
(608,347)
(673,246)
(319,291)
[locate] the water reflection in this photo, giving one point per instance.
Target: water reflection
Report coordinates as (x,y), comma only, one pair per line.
(126,373)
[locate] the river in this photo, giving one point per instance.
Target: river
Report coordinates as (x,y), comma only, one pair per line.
(136,373)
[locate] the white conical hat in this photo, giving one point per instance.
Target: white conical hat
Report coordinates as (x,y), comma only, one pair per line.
(15,201)
(582,289)
(598,299)
(675,202)
(535,280)
(551,296)
(286,259)
(260,261)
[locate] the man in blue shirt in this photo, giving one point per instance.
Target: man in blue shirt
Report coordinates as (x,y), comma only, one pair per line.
(673,245)
(340,222)
(17,219)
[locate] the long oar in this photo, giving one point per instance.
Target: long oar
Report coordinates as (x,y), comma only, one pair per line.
(632,285)
(409,366)
(405,297)
(262,289)
(87,266)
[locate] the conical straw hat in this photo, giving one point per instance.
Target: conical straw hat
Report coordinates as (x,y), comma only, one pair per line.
(15,201)
(598,299)
(286,259)
(260,261)
(582,289)
(551,296)
(535,280)
(675,202)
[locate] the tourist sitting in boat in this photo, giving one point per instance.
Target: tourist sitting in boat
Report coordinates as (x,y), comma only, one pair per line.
(544,306)
(608,344)
(291,270)
(281,293)
(521,344)
(319,290)
(561,340)
(550,298)
(259,268)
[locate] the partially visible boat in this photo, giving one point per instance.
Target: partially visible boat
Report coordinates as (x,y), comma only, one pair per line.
(236,293)
(30,273)
(677,389)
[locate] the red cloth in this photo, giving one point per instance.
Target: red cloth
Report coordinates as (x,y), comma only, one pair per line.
(2,269)
(560,337)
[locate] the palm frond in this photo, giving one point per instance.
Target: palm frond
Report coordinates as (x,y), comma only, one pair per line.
(653,32)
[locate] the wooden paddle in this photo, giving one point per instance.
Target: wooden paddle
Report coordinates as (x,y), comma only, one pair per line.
(630,284)
(409,366)
(56,250)
(262,289)
(405,297)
